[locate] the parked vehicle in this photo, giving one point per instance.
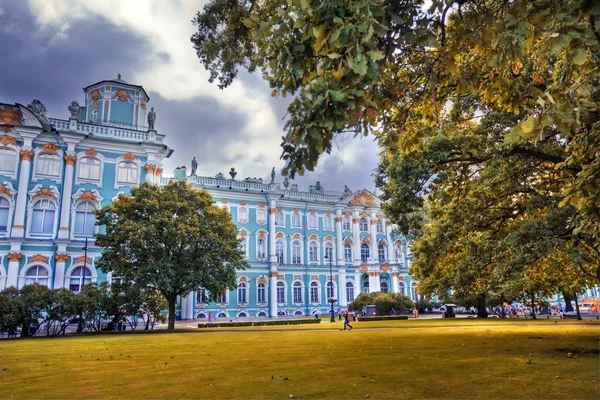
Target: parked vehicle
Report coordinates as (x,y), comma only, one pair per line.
(589,305)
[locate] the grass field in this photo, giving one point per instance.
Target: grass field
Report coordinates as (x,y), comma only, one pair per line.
(503,359)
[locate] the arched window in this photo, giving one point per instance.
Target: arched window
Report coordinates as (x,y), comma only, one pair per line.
(89,168)
(295,220)
(242,292)
(223,298)
(201,296)
(260,249)
(42,220)
(242,215)
(261,314)
(297,292)
(242,314)
(364,252)
(4,209)
(261,216)
(85,220)
(261,293)
(330,290)
(384,284)
(379,226)
(127,173)
(296,250)
(401,287)
(327,222)
(413,292)
(48,165)
(8,160)
(312,251)
(244,245)
(36,274)
(381,253)
(593,291)
(398,251)
(348,253)
(280,292)
(80,277)
(279,251)
(314,292)
(329,250)
(279,218)
(346,224)
(349,292)
(312,221)
(222,314)
(365,284)
(363,225)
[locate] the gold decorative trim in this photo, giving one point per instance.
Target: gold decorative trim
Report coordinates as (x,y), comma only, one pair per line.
(129,157)
(243,203)
(328,237)
(395,274)
(243,279)
(385,267)
(272,210)
(61,257)
(6,140)
(380,217)
(82,260)
(159,171)
(366,240)
(49,148)
(6,191)
(88,196)
(224,201)
(70,159)
(12,257)
(314,277)
(244,234)
(44,193)
(122,94)
(91,153)
(279,235)
(296,236)
(143,103)
(26,155)
(348,241)
(364,215)
(273,274)
(95,95)
(280,277)
(363,198)
(364,269)
(262,279)
(313,211)
(10,115)
(373,222)
(150,168)
(355,220)
(297,278)
(347,214)
(38,258)
(339,219)
(4,128)
(313,237)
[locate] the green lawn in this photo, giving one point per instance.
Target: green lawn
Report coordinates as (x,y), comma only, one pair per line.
(524,360)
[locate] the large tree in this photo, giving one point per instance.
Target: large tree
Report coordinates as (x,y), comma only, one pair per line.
(393,68)
(171,238)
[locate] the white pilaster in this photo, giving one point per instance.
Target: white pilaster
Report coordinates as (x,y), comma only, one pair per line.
(272,233)
(338,237)
(342,286)
(273,293)
(63,231)
(18,227)
(395,285)
(356,236)
(373,232)
(59,271)
(390,243)
(13,269)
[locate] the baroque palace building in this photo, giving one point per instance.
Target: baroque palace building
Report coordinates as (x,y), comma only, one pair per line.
(55,172)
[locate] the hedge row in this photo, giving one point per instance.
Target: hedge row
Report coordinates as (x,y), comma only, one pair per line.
(261,323)
(382,318)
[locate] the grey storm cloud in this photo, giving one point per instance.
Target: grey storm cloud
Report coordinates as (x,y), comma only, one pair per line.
(53,66)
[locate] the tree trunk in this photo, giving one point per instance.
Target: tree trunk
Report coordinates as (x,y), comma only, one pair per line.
(577,308)
(171,300)
(25,330)
(481,311)
(568,305)
(533,305)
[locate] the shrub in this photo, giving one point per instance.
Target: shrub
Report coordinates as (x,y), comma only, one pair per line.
(261,323)
(384,302)
(382,318)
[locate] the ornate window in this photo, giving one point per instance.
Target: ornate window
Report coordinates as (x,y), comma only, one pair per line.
(364,252)
(4,211)
(379,226)
(201,296)
(127,173)
(330,290)
(314,292)
(365,284)
(296,252)
(261,216)
(346,224)
(327,222)
(363,225)
(279,218)
(90,169)
(295,220)
(43,217)
(381,253)
(312,251)
(384,284)
(242,293)
(401,287)
(36,274)
(80,277)
(242,215)
(329,250)
(85,220)
(312,221)
(223,298)
(398,251)
(8,160)
(280,292)
(279,251)
(348,253)
(298,292)
(244,245)
(48,165)
(349,292)
(261,293)
(261,248)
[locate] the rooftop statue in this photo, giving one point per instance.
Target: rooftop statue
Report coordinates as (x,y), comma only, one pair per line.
(286,182)
(232,173)
(39,110)
(194,166)
(347,191)
(220,176)
(151,119)
(318,187)
(273,175)
(74,109)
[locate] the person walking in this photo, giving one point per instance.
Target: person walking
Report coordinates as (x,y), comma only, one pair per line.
(209,318)
(346,322)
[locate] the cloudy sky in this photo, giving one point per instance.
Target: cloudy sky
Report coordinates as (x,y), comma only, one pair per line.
(53,48)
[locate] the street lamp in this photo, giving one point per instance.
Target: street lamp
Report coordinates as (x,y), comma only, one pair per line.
(332,298)
(82,282)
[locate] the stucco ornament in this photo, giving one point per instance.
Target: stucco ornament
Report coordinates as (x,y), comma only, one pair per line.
(74,109)
(122,94)
(39,110)
(6,140)
(363,198)
(143,104)
(95,95)
(10,115)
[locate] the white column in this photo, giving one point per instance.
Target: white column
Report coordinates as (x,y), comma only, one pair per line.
(371,282)
(190,306)
(13,269)
(18,227)
(356,235)
(272,234)
(338,238)
(342,286)
(357,284)
(150,169)
(63,231)
(373,232)
(395,286)
(273,293)
(390,242)
(59,271)
(183,309)
(377,282)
